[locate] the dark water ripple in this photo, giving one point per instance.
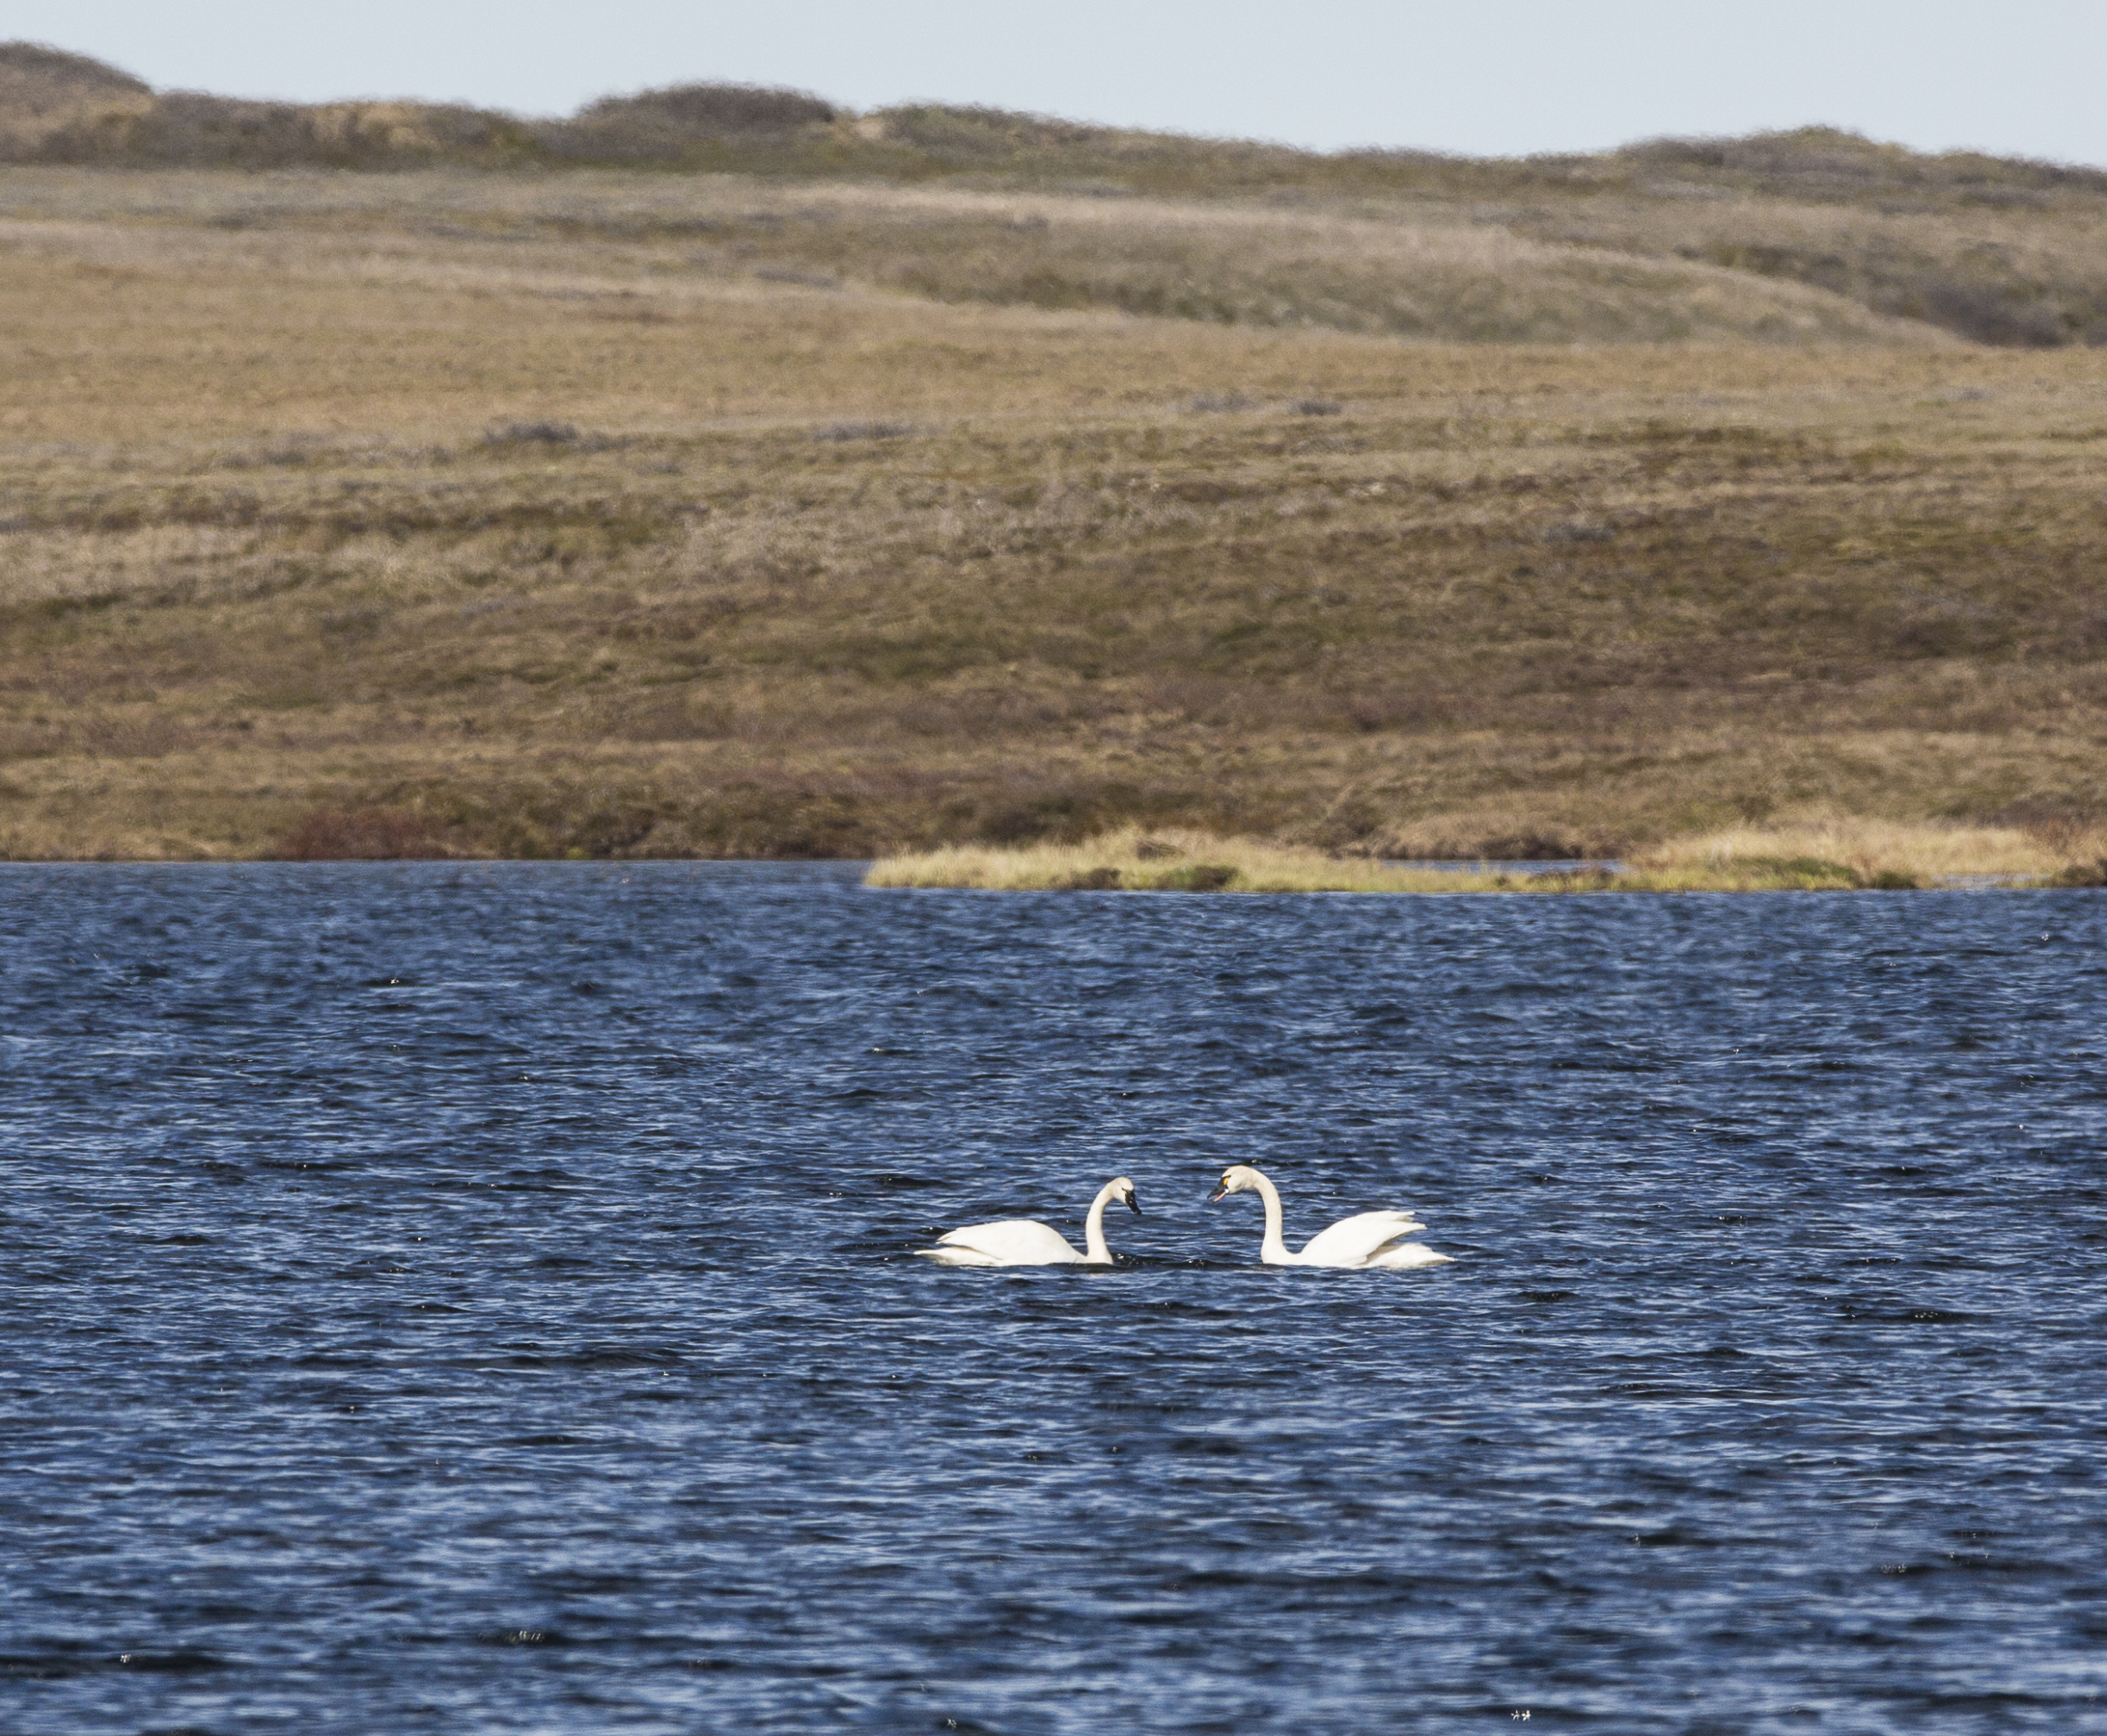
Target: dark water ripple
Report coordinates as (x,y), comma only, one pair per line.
(475,1299)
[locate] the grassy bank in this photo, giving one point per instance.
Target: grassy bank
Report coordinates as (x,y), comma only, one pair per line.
(1811,856)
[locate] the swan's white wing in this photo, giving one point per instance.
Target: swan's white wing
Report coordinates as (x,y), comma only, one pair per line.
(1354,1241)
(1404,1256)
(1016,1242)
(956,1257)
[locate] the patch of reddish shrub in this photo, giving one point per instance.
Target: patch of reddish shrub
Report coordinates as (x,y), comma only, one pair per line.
(360,835)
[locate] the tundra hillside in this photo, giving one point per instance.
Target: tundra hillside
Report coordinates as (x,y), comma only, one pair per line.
(804,489)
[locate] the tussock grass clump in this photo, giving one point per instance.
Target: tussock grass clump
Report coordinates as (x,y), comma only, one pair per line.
(839,433)
(531,434)
(699,111)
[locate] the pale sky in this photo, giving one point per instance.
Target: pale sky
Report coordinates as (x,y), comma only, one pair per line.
(1486,77)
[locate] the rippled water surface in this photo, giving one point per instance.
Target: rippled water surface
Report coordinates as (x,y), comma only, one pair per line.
(464,1299)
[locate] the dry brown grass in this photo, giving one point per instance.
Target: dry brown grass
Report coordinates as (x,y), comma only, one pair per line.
(1876,850)
(1831,855)
(1780,236)
(292,531)
(1422,270)
(1165,859)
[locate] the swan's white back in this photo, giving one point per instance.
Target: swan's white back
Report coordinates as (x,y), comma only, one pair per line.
(1016,1241)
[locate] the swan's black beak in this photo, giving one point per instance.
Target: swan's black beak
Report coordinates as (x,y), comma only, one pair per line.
(1219,1194)
(1134,1204)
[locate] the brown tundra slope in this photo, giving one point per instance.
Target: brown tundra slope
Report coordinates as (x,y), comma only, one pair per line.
(721,473)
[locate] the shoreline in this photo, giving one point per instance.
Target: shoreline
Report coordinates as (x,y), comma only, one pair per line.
(1824,855)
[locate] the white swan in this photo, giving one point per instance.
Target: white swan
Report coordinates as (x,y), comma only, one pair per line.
(1373,1242)
(1018,1241)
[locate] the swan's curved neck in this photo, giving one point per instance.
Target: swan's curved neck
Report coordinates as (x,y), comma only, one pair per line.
(1273,1251)
(1094,1248)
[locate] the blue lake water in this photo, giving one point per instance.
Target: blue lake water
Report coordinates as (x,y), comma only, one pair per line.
(445,1298)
